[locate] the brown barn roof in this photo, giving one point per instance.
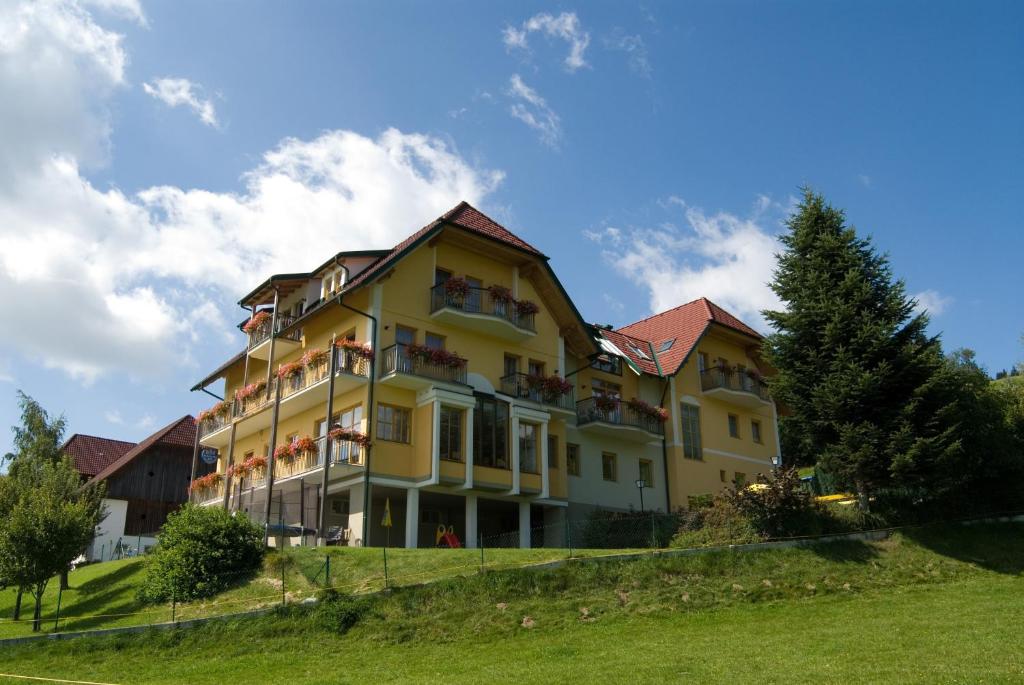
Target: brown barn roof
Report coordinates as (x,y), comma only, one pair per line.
(181,432)
(92,454)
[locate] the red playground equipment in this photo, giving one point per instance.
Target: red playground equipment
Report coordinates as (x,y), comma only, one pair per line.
(447,536)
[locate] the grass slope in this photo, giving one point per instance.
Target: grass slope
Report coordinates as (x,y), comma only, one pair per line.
(104,595)
(937,604)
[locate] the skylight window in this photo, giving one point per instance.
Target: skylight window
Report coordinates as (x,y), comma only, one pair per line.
(666,346)
(638,352)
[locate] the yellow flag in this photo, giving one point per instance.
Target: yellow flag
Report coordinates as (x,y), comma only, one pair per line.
(386,521)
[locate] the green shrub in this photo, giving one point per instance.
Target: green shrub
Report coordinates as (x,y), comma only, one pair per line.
(626,530)
(201,551)
(338,613)
(716,525)
(779,506)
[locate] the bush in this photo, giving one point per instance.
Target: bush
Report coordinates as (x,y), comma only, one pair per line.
(778,505)
(626,530)
(339,613)
(201,551)
(718,524)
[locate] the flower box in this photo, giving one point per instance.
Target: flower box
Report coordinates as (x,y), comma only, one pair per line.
(257,320)
(250,390)
(348,435)
(551,388)
(526,307)
(314,358)
(500,293)
(207,482)
(456,287)
(361,350)
(306,445)
(436,356)
(648,410)
(284,453)
(290,370)
(606,404)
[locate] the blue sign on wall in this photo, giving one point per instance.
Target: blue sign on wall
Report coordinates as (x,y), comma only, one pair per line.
(208,455)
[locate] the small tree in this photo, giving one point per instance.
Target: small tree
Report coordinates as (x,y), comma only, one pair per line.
(201,551)
(46,527)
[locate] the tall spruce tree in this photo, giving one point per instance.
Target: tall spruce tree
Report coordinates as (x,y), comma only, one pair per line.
(855,364)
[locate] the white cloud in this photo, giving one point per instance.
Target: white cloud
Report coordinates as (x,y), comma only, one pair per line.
(100,280)
(721,256)
(129,9)
(113,416)
(533,110)
(175,92)
(566,26)
(932,302)
(635,49)
(145,422)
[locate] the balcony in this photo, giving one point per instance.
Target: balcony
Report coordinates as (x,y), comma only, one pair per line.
(405,366)
(259,338)
(213,431)
(614,418)
(481,311)
(525,387)
(735,387)
(206,492)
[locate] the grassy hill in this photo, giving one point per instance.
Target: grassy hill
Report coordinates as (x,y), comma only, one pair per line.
(935,604)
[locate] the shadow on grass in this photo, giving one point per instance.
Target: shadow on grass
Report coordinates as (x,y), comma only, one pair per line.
(996,547)
(107,579)
(845,551)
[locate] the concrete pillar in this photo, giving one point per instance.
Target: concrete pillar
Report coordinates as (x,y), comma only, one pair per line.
(472,531)
(524,525)
(356,515)
(412,518)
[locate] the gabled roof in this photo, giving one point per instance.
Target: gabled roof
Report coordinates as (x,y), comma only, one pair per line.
(684,325)
(630,347)
(180,433)
(92,454)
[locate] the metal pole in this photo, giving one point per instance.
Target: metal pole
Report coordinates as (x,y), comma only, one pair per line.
(60,593)
(174,606)
(270,462)
(568,532)
(231,462)
(385,567)
(195,456)
(284,596)
(654,532)
(327,572)
(321,524)
(273,338)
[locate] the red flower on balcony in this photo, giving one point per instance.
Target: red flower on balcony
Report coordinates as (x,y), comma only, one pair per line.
(550,387)
(362,350)
(257,320)
(314,358)
(306,445)
(284,452)
(436,356)
(649,410)
(606,404)
(500,293)
(290,370)
(349,435)
(526,307)
(220,410)
(456,287)
(207,482)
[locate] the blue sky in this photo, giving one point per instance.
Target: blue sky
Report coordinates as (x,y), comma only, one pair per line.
(155,157)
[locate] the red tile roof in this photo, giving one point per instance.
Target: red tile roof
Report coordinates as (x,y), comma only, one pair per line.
(92,454)
(181,432)
(626,343)
(685,324)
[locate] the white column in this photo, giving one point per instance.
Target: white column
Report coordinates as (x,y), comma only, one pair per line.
(545,476)
(524,525)
(435,442)
(468,449)
(412,518)
(355,514)
(514,420)
(472,530)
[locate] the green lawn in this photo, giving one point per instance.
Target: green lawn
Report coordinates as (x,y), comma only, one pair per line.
(943,604)
(104,595)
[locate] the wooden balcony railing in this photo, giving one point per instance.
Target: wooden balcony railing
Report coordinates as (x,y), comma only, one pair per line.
(213,424)
(481,301)
(398,359)
(617,412)
(730,379)
(522,386)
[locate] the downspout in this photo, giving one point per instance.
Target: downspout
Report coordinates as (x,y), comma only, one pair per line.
(664,450)
(245,371)
(369,418)
(213,395)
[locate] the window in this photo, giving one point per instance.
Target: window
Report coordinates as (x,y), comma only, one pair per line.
(647,473)
(528,448)
(666,345)
(441,275)
(536,368)
(755,430)
(393,423)
(451,434)
(721,475)
(638,352)
(511,364)
(609,467)
(739,479)
(474,300)
(691,431)
(552,451)
(606,389)
(702,361)
(434,341)
(348,419)
(572,459)
(490,433)
(405,336)
(734,426)
(607,363)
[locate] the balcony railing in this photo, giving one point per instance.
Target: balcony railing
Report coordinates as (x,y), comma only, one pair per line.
(522,386)
(342,451)
(618,413)
(213,424)
(481,301)
(398,359)
(262,332)
(352,363)
(208,494)
(307,376)
(738,381)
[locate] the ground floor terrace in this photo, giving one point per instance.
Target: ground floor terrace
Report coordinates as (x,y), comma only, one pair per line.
(357,513)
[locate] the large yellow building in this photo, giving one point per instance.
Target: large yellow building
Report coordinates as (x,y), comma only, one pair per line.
(466,391)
